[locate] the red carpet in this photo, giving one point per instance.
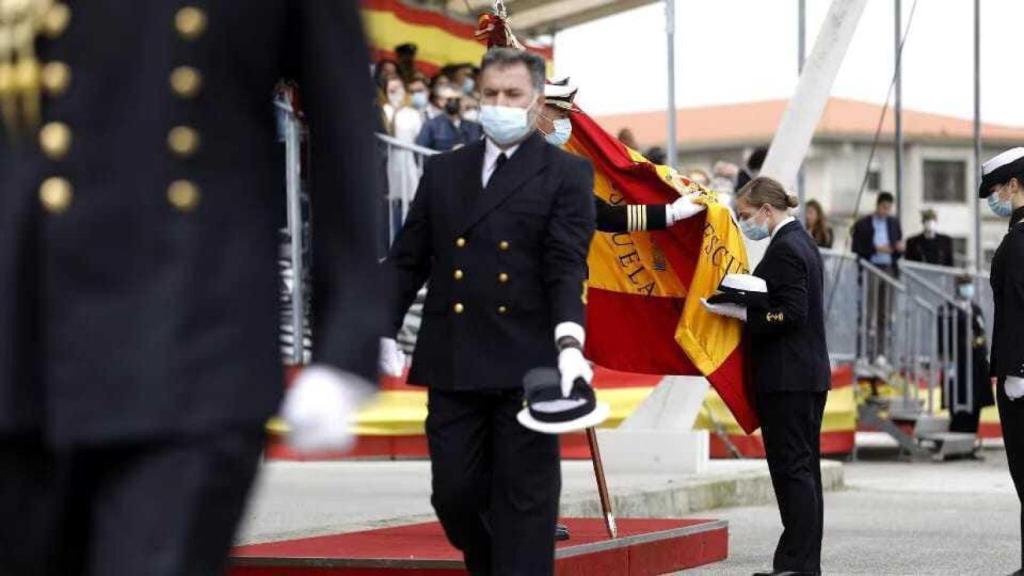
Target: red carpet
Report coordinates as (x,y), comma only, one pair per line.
(645,547)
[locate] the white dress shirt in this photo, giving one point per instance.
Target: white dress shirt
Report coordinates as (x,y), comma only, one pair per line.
(491,153)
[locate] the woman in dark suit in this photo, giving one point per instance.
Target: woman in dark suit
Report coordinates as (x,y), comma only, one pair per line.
(785,338)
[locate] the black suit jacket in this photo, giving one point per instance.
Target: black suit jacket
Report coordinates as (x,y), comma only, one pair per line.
(504,265)
(786,338)
(133,309)
(1008,293)
(936,250)
(864,237)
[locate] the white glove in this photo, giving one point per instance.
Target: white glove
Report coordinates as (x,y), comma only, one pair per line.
(728,310)
(684,207)
(392,359)
(1014,387)
(572,365)
(320,408)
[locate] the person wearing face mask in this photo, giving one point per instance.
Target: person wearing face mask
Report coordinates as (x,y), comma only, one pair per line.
(404,123)
(419,96)
(554,123)
(1002,184)
(961,419)
(500,230)
(470,109)
(788,357)
(929,246)
(449,130)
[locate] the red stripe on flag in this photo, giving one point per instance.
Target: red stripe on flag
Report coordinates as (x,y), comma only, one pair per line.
(635,333)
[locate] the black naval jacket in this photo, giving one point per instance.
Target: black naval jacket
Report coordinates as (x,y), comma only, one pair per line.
(937,250)
(139,225)
(786,340)
(1008,293)
(504,265)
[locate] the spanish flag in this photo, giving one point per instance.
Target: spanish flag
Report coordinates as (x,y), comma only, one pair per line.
(644,312)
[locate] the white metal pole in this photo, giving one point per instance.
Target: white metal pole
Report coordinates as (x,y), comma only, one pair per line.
(979,254)
(293,187)
(801,56)
(670,35)
(898,109)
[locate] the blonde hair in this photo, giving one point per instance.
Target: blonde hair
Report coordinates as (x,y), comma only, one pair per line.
(764,190)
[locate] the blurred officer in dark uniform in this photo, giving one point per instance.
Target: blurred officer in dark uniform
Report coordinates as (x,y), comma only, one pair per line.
(1003,184)
(141,190)
(981,384)
(789,361)
(930,246)
(500,228)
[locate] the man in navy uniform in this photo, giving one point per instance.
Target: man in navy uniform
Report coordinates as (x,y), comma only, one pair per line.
(1003,185)
(500,230)
(142,193)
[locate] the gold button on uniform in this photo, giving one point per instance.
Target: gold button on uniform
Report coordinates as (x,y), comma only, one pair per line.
(502,309)
(183,195)
(55,140)
(458,274)
(186,81)
(503,245)
(183,141)
(55,78)
(503,278)
(190,22)
(56,20)
(459,308)
(55,195)
(461,242)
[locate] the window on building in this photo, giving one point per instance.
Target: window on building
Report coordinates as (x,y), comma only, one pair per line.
(874,180)
(945,181)
(960,256)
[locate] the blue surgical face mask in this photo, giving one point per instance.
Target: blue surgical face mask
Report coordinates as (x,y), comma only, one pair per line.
(753,230)
(561,133)
(419,100)
(966,291)
(506,125)
(1001,208)
(467,86)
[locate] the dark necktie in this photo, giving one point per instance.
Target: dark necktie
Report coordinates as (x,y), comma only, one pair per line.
(502,159)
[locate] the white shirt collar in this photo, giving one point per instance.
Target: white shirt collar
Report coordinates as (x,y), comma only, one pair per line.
(491,153)
(781,224)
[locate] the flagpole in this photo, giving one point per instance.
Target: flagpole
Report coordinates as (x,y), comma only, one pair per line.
(670,36)
(898,107)
(801,56)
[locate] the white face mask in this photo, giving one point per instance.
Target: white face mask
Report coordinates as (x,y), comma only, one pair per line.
(396,98)
(1001,208)
(419,100)
(966,291)
(561,133)
(472,115)
(929,226)
(506,125)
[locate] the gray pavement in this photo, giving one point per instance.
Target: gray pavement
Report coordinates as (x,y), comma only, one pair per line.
(898,518)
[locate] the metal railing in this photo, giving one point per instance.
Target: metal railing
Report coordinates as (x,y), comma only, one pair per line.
(404,168)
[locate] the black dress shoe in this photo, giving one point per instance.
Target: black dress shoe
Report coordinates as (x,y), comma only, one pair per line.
(561,533)
(786,573)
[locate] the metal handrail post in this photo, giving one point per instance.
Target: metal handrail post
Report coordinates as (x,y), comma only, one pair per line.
(293,186)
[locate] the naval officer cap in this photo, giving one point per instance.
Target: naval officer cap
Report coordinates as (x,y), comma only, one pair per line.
(1000,169)
(548,412)
(559,92)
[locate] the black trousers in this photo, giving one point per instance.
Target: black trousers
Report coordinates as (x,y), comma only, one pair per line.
(1011,419)
(495,483)
(791,429)
(155,509)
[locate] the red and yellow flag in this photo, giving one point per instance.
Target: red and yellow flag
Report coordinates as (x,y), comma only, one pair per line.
(643,299)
